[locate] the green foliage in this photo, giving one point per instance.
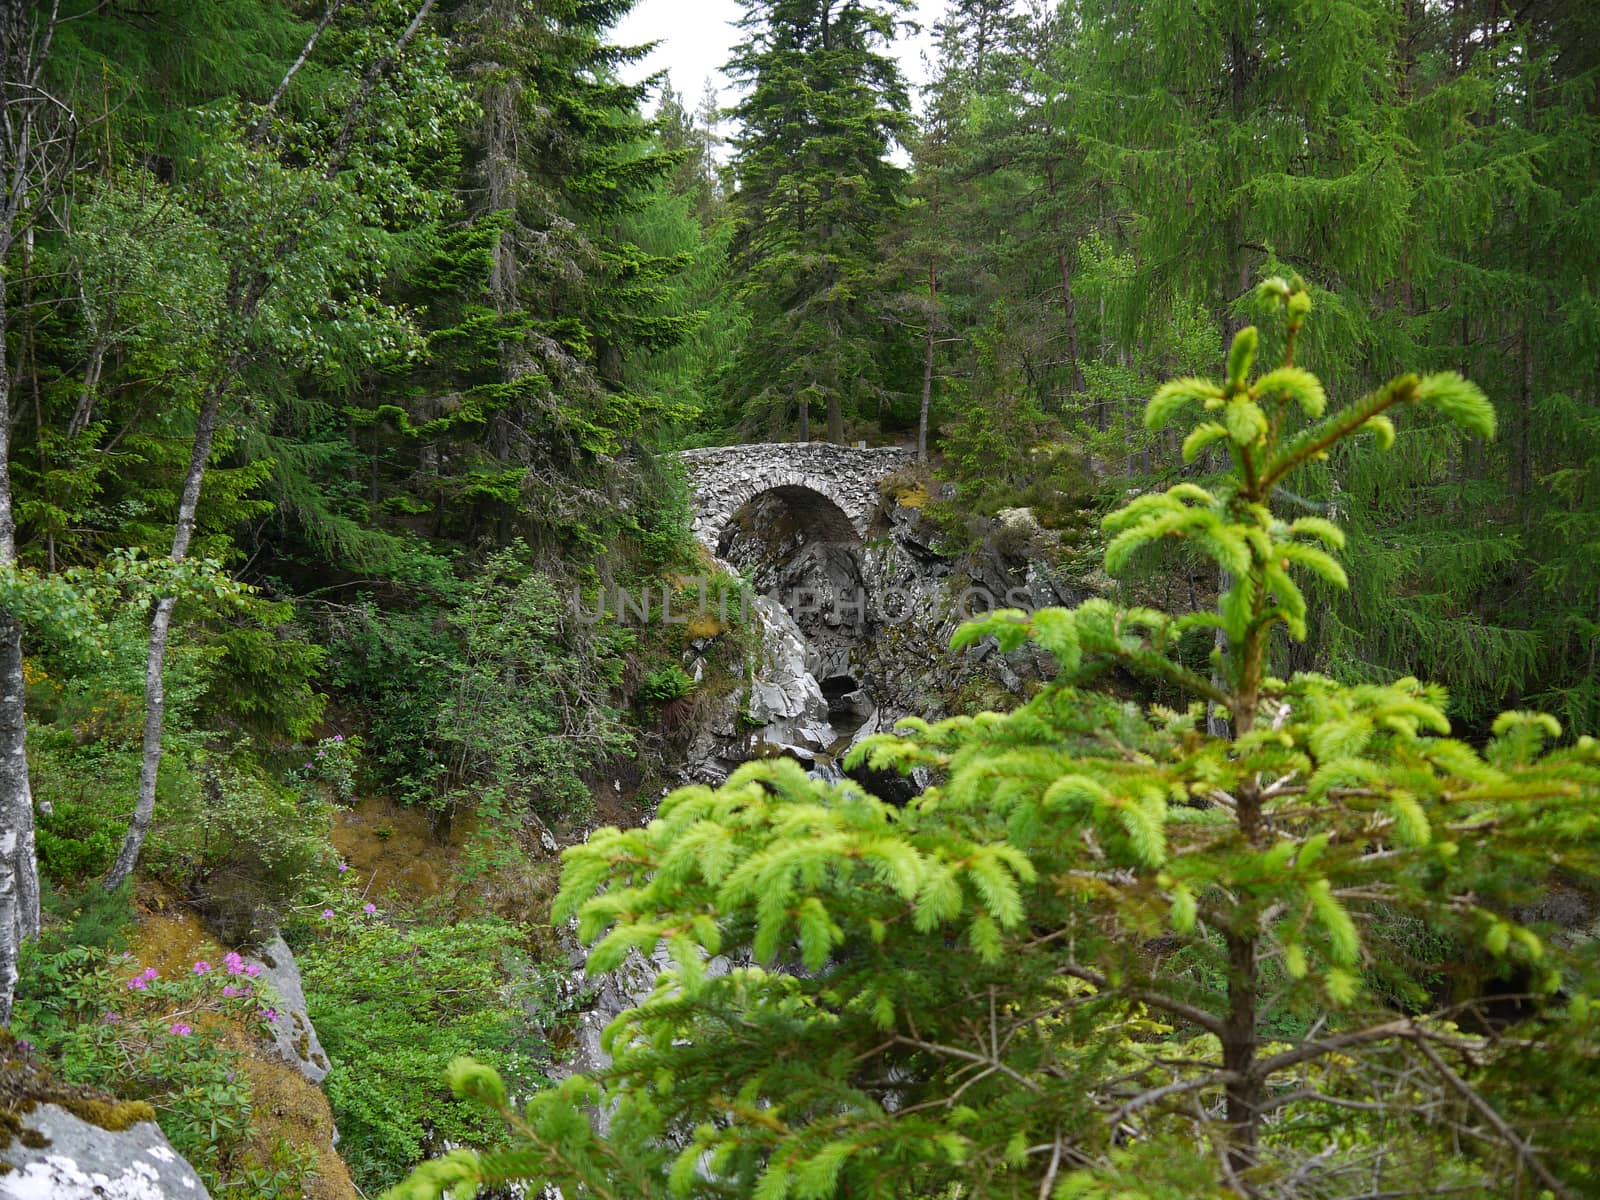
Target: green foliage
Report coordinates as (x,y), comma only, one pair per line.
(240,846)
(1106,949)
(393,1005)
(666,684)
(332,764)
(1109,177)
(507,688)
(79,836)
(262,672)
(529,709)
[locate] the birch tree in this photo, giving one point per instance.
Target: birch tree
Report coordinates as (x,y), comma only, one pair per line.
(35,132)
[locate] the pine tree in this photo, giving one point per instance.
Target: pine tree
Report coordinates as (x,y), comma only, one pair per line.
(814,191)
(522,416)
(1108,953)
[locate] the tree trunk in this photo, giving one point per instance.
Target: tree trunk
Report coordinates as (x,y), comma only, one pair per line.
(263,123)
(160,624)
(927,365)
(352,116)
(1069,310)
(927,395)
(1522,472)
(835,418)
(24,180)
(19,871)
(1239,1051)
(19,868)
(805,417)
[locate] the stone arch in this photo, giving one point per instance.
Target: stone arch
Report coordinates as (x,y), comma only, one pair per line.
(823,510)
(726,478)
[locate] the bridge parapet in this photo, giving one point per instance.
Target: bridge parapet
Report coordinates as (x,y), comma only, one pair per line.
(726,478)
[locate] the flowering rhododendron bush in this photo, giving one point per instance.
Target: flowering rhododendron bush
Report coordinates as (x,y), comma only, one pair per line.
(170,1038)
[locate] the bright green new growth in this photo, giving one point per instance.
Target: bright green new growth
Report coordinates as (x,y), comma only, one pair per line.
(1108,953)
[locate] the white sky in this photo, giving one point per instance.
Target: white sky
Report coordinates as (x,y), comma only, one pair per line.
(696,36)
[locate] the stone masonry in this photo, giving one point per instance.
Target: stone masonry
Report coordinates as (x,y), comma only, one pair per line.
(726,478)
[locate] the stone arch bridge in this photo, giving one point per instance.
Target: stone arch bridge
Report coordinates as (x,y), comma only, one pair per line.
(835,487)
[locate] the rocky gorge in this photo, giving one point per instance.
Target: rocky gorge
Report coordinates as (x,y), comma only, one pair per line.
(855,631)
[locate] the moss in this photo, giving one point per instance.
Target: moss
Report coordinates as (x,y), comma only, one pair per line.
(10,1126)
(115,1115)
(703,627)
(290,1111)
(25,1083)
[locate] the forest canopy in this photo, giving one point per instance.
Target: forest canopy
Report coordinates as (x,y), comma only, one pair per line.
(347,349)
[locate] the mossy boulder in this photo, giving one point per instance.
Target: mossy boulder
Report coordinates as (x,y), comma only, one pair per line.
(61,1142)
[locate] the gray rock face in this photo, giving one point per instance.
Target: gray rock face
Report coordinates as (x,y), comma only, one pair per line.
(293,1033)
(725,478)
(79,1161)
(878,618)
(786,700)
(856,635)
(783,710)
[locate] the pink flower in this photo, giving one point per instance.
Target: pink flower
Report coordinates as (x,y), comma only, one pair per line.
(252,969)
(230,991)
(343,867)
(327,914)
(269,1014)
(181,1030)
(201,967)
(234,963)
(142,980)
(111,1018)
(369,909)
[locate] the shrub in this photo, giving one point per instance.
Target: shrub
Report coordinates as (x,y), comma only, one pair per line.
(82,796)
(506,688)
(331,763)
(240,847)
(393,1005)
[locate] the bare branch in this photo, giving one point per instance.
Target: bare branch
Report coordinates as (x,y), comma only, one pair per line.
(1484,1109)
(259,131)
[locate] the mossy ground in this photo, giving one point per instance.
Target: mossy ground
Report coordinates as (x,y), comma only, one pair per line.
(395,854)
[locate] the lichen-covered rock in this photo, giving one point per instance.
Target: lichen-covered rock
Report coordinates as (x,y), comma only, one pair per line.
(295,1036)
(54,1155)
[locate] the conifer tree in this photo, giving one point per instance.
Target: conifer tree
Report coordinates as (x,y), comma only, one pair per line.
(1108,953)
(538,296)
(814,189)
